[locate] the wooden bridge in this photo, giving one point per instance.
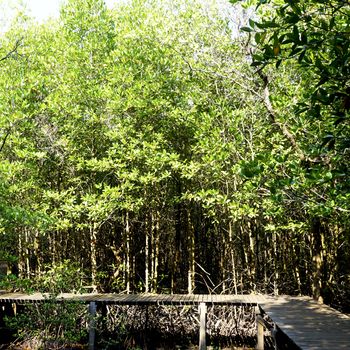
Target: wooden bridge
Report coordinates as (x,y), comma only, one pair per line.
(307,324)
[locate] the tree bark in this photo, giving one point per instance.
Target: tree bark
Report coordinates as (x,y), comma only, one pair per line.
(191,256)
(317,259)
(155,250)
(233,263)
(93,254)
(147,234)
(127,253)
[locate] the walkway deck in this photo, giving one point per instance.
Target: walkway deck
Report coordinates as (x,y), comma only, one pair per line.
(140,299)
(308,324)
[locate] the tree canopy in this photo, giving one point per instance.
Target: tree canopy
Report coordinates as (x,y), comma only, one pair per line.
(159,151)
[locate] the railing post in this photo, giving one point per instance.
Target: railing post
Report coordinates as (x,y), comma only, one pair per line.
(260,329)
(92,325)
(203,326)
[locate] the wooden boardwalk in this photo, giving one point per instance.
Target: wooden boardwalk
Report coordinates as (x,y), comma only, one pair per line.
(139,299)
(308,324)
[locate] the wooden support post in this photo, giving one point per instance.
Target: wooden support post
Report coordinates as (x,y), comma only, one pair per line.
(203,326)
(92,325)
(260,332)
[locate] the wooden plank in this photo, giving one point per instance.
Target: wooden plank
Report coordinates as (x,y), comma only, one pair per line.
(172,300)
(162,299)
(121,299)
(179,299)
(151,299)
(168,299)
(133,298)
(184,299)
(191,299)
(309,324)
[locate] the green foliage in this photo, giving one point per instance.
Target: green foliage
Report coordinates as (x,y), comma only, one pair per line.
(11,282)
(138,142)
(309,39)
(313,34)
(60,278)
(52,320)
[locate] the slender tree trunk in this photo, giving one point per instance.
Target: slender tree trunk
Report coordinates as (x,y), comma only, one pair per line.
(252,270)
(317,259)
(52,243)
(93,254)
(275,264)
(191,257)
(233,262)
(21,263)
(127,253)
(118,259)
(335,254)
(265,266)
(297,277)
(27,252)
(155,250)
(244,259)
(223,256)
(147,233)
(37,253)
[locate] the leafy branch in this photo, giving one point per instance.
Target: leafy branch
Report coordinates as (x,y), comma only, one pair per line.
(14,50)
